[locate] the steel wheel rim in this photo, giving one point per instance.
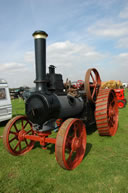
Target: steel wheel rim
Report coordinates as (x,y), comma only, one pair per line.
(18,145)
(106,112)
(92,89)
(112,113)
(71,148)
(121,104)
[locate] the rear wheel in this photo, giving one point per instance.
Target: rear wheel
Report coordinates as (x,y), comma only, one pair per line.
(106,112)
(121,104)
(70,144)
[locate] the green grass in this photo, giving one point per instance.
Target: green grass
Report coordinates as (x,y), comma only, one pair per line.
(104,168)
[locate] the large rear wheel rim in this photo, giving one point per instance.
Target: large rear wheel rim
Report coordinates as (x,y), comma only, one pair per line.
(106,112)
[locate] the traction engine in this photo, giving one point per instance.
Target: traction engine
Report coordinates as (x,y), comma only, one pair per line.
(56,106)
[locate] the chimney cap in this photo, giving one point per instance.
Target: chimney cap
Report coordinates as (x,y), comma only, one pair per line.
(40,34)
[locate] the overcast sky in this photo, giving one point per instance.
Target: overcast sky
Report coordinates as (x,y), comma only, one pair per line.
(81,34)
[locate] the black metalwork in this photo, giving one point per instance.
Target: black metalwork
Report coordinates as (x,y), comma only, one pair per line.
(50,101)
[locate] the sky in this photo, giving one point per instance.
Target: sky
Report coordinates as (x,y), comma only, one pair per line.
(81,34)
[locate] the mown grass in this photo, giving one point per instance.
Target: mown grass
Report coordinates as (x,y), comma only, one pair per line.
(103,170)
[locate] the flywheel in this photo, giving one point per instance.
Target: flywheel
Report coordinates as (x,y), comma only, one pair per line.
(92,84)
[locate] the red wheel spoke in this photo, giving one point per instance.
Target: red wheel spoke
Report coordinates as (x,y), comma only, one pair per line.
(70,155)
(16,128)
(69,142)
(69,139)
(75,131)
(28,131)
(92,85)
(12,132)
(12,139)
(16,146)
(93,92)
(25,125)
(26,141)
(92,77)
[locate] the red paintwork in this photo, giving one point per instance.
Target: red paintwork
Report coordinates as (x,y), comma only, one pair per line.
(77,84)
(41,137)
(70,143)
(106,112)
(121,104)
(120,96)
(14,135)
(59,122)
(20,131)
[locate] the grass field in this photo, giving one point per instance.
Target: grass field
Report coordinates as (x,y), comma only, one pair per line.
(104,168)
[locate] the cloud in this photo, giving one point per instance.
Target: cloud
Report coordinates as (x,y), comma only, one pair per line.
(72,59)
(68,53)
(16,74)
(68,56)
(12,67)
(29,57)
(121,60)
(123,42)
(116,68)
(109,29)
(124,13)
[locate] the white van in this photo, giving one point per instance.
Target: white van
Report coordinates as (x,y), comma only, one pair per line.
(5,101)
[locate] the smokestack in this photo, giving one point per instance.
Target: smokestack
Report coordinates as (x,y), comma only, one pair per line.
(40,59)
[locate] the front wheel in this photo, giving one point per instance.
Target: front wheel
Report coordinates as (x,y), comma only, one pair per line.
(13,137)
(70,143)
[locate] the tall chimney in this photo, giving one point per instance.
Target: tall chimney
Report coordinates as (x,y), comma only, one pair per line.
(40,59)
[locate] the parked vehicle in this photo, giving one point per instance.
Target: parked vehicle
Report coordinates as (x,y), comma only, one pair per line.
(27,93)
(120,98)
(5,101)
(125,85)
(77,84)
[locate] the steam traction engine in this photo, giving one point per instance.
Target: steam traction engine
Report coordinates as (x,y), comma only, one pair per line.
(52,106)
